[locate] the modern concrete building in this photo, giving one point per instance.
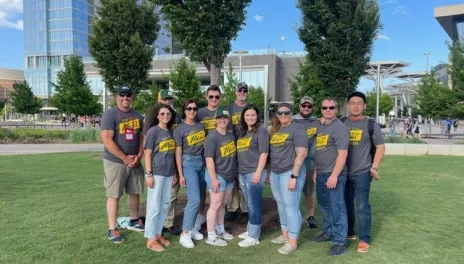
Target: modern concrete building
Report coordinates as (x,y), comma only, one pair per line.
(451,18)
(8,77)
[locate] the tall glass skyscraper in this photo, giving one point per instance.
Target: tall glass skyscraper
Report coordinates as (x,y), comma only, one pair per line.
(54,29)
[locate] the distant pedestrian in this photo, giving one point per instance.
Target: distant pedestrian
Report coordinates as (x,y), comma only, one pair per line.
(455,125)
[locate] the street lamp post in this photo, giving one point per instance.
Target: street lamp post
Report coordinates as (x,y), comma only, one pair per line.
(4,98)
(377,104)
(427,54)
(240,53)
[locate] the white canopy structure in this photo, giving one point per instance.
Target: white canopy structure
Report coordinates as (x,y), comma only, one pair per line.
(403,93)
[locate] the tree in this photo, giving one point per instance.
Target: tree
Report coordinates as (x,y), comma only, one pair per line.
(256,97)
(205,28)
(186,84)
(2,103)
(73,94)
(228,89)
(146,99)
(23,99)
(456,68)
(434,100)
(385,104)
(339,37)
(122,42)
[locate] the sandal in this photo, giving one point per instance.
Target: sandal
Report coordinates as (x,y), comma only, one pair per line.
(154,245)
(164,241)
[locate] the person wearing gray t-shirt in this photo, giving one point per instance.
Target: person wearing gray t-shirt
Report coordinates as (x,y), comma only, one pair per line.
(252,152)
(207,114)
(330,177)
(366,150)
(288,150)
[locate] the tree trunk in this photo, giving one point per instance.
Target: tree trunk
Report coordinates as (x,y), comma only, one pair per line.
(215,74)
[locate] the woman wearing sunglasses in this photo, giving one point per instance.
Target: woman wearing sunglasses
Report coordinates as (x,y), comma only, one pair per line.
(160,174)
(221,170)
(288,150)
(252,152)
(190,137)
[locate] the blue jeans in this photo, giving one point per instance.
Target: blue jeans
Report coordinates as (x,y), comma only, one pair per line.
(223,184)
(288,202)
(157,205)
(332,205)
(193,168)
(358,187)
(252,193)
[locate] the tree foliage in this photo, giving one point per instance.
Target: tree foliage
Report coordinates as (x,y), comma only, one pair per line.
(456,68)
(256,97)
(73,94)
(186,84)
(228,89)
(434,99)
(205,28)
(339,37)
(146,99)
(122,42)
(385,104)
(23,99)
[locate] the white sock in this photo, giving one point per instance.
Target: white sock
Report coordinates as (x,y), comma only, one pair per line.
(220,228)
(211,236)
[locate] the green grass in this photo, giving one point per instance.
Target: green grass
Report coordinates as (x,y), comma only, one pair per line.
(53,211)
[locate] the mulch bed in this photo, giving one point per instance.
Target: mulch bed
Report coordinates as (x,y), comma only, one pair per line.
(238,225)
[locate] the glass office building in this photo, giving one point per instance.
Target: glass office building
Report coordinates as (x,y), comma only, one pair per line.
(54,29)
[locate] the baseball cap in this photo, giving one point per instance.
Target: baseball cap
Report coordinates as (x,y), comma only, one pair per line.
(124,89)
(164,94)
(242,85)
(306,99)
(222,112)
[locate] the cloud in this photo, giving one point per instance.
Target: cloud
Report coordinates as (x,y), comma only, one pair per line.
(399,10)
(388,2)
(258,18)
(380,36)
(8,11)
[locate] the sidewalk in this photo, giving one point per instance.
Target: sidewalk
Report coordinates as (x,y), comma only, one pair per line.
(21,149)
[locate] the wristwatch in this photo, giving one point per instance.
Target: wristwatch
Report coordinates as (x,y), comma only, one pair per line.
(148,173)
(293,176)
(374,168)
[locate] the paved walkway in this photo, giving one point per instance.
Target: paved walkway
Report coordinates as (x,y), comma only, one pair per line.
(21,149)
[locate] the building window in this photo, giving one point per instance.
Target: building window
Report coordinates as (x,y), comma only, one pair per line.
(459,33)
(30,62)
(42,62)
(55,61)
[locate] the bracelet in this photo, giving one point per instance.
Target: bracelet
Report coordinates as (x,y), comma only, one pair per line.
(374,168)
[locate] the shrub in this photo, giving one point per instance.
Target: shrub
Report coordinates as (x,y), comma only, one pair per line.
(88,135)
(403,140)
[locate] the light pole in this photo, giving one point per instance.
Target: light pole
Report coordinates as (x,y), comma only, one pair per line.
(240,53)
(377,104)
(282,38)
(427,54)
(4,98)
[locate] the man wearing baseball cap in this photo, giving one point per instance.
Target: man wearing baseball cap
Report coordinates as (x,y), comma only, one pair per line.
(310,123)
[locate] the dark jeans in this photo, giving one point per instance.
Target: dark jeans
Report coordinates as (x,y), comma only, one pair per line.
(332,205)
(358,188)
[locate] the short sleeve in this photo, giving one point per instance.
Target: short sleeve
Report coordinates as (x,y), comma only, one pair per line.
(211,145)
(108,121)
(142,125)
(263,141)
(178,136)
(300,138)
(151,138)
(377,136)
(341,135)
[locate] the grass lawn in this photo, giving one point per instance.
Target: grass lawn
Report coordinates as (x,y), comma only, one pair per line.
(53,211)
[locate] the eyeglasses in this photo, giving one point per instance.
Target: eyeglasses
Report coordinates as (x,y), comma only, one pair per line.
(309,106)
(242,91)
(191,109)
(284,113)
(125,95)
(328,107)
(166,114)
(214,96)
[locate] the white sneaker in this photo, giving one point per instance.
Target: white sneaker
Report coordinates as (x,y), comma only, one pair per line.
(243,235)
(195,235)
(216,242)
(186,241)
(248,242)
(199,221)
(225,235)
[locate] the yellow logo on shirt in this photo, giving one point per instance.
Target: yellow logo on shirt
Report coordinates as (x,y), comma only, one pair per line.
(236,118)
(167,145)
(228,149)
(279,138)
(130,124)
(321,141)
(196,138)
(311,131)
(244,143)
(209,123)
(355,136)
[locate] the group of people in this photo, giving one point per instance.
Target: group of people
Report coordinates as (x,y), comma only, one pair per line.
(214,148)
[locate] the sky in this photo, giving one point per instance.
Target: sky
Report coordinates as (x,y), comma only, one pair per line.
(409,31)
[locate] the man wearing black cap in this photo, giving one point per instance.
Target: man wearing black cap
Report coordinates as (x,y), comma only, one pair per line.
(235,109)
(121,134)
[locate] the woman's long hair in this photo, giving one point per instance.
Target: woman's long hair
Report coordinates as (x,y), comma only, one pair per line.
(275,122)
(244,125)
(152,118)
(184,107)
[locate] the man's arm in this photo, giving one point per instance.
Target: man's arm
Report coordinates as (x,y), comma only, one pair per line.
(110,145)
(339,162)
(379,153)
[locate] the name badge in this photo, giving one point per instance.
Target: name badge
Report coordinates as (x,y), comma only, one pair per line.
(129,134)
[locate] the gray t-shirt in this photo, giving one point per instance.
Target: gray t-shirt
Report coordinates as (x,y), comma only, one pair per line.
(161,142)
(283,144)
(191,138)
(330,139)
(126,127)
(249,148)
(223,151)
(310,125)
(359,155)
(235,112)
(207,118)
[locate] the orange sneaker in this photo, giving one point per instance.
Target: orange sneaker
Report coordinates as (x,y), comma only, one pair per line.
(163,241)
(154,245)
(362,247)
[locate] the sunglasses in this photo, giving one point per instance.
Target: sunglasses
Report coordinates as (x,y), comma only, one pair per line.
(191,109)
(284,113)
(242,91)
(328,107)
(165,114)
(125,95)
(214,96)
(309,106)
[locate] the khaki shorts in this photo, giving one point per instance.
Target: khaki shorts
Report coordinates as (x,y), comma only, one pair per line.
(118,176)
(308,188)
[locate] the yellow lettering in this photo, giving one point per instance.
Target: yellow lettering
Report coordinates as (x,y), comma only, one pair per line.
(131,124)
(279,138)
(167,145)
(209,123)
(244,143)
(355,135)
(321,141)
(236,119)
(196,138)
(228,149)
(311,132)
